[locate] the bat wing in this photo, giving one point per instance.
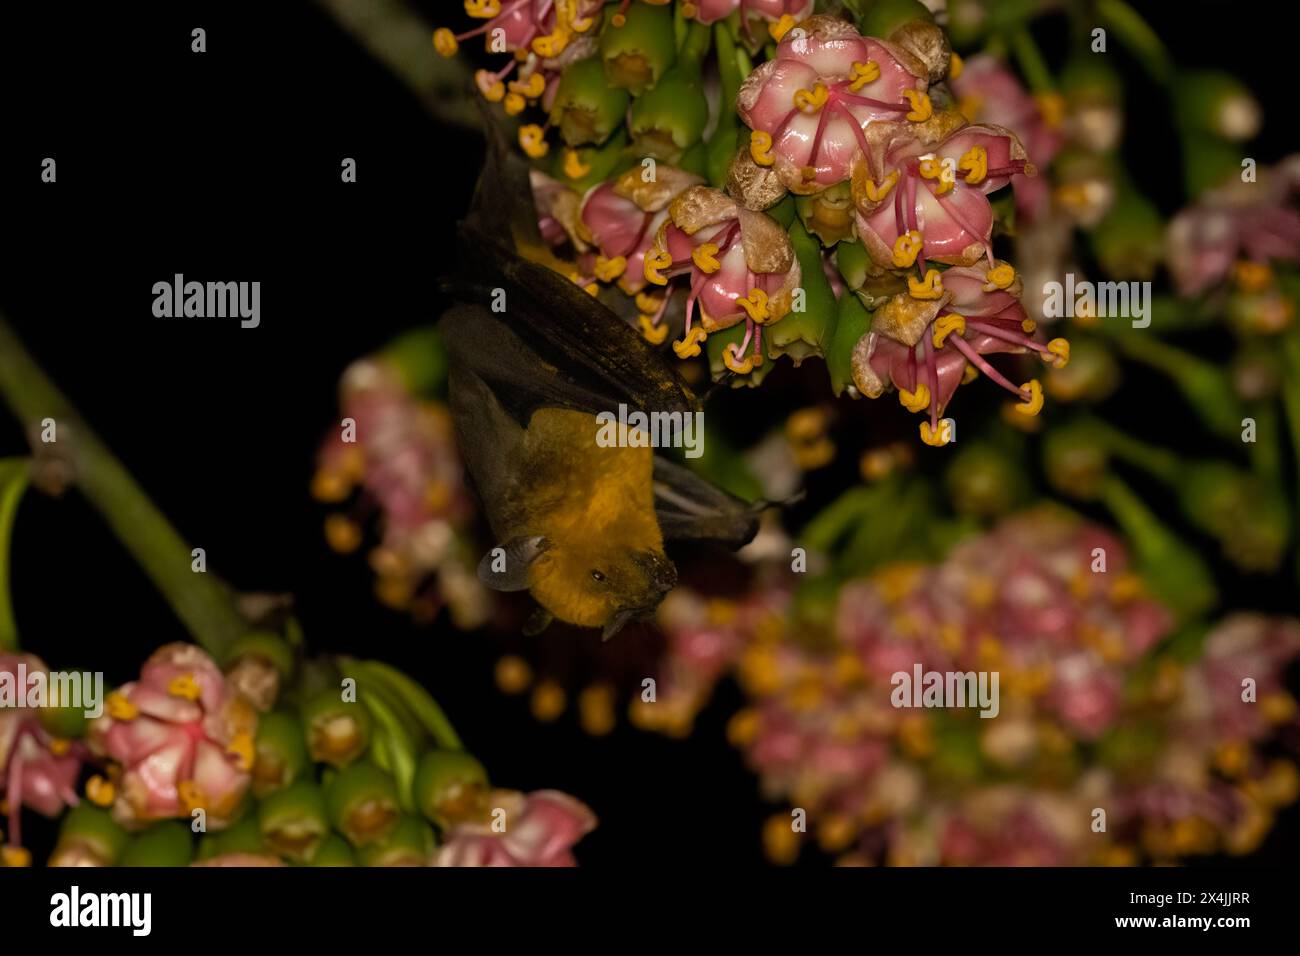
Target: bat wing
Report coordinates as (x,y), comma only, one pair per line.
(692,509)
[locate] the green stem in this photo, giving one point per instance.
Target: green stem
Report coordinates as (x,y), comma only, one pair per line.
(1157,462)
(1031,61)
(13,481)
(1136,34)
(204,604)
(1291,402)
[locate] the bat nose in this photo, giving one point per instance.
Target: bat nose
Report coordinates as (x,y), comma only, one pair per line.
(663,576)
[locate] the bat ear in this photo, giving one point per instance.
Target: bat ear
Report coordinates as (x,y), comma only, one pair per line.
(615,623)
(505,567)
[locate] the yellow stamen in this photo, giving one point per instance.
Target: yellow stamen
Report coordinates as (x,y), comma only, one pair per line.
(955,66)
(781,27)
(184,686)
(590,288)
(574,167)
(945,325)
(100,791)
(975,164)
(532,140)
(618,21)
(241,748)
(864,73)
(755,305)
(937,438)
(483,9)
(607,270)
(1061,349)
(444,41)
(492,89)
(915,401)
(1028,326)
(906,248)
(705,256)
(654,334)
(514,104)
(1052,108)
(548,701)
(760,148)
(550,46)
(653,262)
(191,796)
(120,707)
(922,109)
(930,167)
(342,533)
(513,675)
(647,302)
(877,193)
(689,346)
(1252,276)
(969,374)
(810,101)
(59,746)
(743,727)
(16,856)
(999,277)
(946,184)
(531,88)
(1034,404)
(689,9)
(930,288)
(730,359)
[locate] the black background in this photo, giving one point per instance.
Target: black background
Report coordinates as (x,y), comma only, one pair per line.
(226,165)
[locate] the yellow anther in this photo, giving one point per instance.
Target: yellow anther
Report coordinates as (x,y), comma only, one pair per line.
(689,346)
(876,193)
(100,791)
(945,325)
(760,148)
(241,748)
(955,65)
(191,796)
(531,88)
(939,436)
(550,46)
(574,167)
(483,9)
(689,9)
(946,184)
(607,270)
(969,374)
(915,401)
(653,262)
(999,277)
(59,746)
(755,305)
(1052,108)
(1034,404)
(444,41)
(929,288)
(808,173)
(1060,348)
(581,25)
(1252,276)
(532,140)
(648,303)
(705,256)
(922,109)
(864,73)
(492,88)
(930,167)
(810,101)
(780,28)
(654,334)
(120,707)
(514,104)
(906,248)
(975,164)
(731,360)
(1028,326)
(590,288)
(185,687)
(16,856)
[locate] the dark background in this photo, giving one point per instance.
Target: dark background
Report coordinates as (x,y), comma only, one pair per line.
(226,165)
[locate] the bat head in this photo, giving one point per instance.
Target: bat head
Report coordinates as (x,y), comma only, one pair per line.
(601,584)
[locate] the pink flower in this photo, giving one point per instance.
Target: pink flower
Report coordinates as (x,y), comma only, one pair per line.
(1256,221)
(536,829)
(183,736)
(811,105)
(37,770)
(940,194)
(711,11)
(741,267)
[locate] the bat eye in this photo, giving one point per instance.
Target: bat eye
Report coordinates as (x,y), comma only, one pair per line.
(597,576)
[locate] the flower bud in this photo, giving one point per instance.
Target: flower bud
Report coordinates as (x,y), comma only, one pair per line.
(256,665)
(1249,518)
(281,753)
(410,843)
(163,844)
(852,322)
(244,837)
(88,837)
(293,822)
(1092,374)
(587,109)
(450,786)
(640,51)
(800,334)
(1075,459)
(1218,104)
(1129,242)
(985,481)
(337,731)
(670,118)
(362,803)
(335,851)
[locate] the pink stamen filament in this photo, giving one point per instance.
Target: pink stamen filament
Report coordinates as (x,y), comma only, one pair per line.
(860,134)
(468,34)
(1006,335)
(696,285)
(978,361)
(932,373)
(965,225)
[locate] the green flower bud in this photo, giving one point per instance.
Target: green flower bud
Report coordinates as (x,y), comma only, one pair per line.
(587,110)
(335,851)
(281,753)
(1249,518)
(852,322)
(1092,374)
(800,334)
(828,215)
(593,164)
(1129,242)
(1076,459)
(450,786)
(715,346)
(266,646)
(89,837)
(336,731)
(985,481)
(640,51)
(293,821)
(163,844)
(411,843)
(362,803)
(668,119)
(242,837)
(1216,103)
